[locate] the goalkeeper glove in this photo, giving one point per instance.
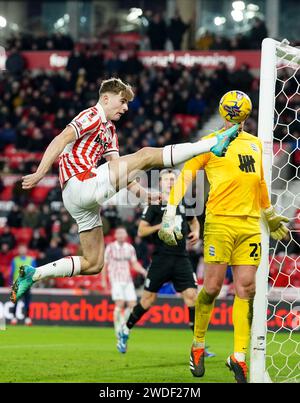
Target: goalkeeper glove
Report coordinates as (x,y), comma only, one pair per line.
(169,231)
(275,223)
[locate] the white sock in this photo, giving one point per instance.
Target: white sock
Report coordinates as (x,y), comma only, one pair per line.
(67,267)
(127,313)
(171,210)
(117,319)
(240,356)
(178,153)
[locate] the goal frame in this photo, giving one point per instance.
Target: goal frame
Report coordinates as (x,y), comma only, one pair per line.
(269,51)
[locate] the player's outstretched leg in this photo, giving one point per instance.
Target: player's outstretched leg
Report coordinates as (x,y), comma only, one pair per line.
(223,141)
(239,368)
(22,283)
(197,361)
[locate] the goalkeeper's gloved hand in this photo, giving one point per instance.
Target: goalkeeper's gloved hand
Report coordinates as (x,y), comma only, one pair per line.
(169,231)
(278,230)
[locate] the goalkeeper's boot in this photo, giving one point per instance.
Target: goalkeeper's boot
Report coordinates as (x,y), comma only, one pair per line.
(239,369)
(123,337)
(197,361)
(22,283)
(223,141)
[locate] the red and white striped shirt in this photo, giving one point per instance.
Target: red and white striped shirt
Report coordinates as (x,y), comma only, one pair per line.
(119,257)
(95,137)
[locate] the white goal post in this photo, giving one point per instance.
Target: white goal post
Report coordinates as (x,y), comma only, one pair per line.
(274,57)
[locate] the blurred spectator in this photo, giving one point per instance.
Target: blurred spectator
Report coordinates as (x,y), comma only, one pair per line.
(72,236)
(21,259)
(257,33)
(8,238)
(53,252)
(38,240)
(176,30)
(157,32)
(15,63)
(110,212)
(242,78)
(31,216)
(14,217)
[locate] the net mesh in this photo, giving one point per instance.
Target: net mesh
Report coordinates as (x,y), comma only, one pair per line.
(283,326)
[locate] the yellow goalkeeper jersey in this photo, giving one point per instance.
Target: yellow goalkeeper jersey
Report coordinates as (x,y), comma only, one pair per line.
(237,185)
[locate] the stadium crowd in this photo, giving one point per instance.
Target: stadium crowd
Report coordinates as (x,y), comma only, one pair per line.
(170,106)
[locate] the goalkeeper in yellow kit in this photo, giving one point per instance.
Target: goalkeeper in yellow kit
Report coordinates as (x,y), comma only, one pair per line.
(232,236)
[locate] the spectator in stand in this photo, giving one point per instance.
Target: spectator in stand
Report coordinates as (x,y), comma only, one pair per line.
(6,256)
(54,252)
(38,241)
(14,217)
(15,63)
(242,78)
(31,216)
(19,260)
(176,30)
(110,212)
(8,135)
(157,32)
(7,237)
(257,33)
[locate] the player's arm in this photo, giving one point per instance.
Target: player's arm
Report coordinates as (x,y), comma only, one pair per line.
(112,156)
(169,232)
(103,275)
(139,268)
(146,229)
(275,222)
(52,152)
(193,236)
(141,193)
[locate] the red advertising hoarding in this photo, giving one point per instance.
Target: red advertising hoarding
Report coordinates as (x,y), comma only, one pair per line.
(92,310)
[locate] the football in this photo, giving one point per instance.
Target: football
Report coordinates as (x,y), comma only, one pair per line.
(235,106)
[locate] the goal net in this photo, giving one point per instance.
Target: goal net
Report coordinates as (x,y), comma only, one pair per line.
(275,341)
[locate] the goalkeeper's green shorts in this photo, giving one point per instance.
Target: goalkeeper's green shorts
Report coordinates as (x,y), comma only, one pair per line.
(235,240)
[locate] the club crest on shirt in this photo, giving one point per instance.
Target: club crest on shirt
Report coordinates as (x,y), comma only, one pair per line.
(212,250)
(254,147)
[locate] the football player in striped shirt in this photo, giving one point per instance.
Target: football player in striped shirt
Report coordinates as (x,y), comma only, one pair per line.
(88,137)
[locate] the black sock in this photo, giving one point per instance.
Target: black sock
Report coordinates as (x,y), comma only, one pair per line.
(191,317)
(136,314)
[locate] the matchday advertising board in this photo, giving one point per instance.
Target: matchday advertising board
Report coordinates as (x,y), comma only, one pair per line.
(57,60)
(97,310)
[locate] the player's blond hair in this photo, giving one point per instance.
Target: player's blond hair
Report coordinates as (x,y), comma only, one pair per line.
(116,86)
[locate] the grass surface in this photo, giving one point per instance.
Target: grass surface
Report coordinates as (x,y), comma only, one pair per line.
(83,354)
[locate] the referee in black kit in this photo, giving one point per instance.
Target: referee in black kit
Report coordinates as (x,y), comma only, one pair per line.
(169,263)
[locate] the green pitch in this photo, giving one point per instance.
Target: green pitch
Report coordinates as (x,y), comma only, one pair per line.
(83,354)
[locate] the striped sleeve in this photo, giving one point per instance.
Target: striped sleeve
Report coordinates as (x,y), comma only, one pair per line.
(85,122)
(107,254)
(133,257)
(113,146)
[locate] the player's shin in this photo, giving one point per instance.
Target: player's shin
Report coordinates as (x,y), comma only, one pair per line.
(136,314)
(178,153)
(242,315)
(117,319)
(203,309)
(66,267)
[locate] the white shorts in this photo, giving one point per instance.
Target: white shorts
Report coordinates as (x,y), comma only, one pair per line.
(83,199)
(123,291)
